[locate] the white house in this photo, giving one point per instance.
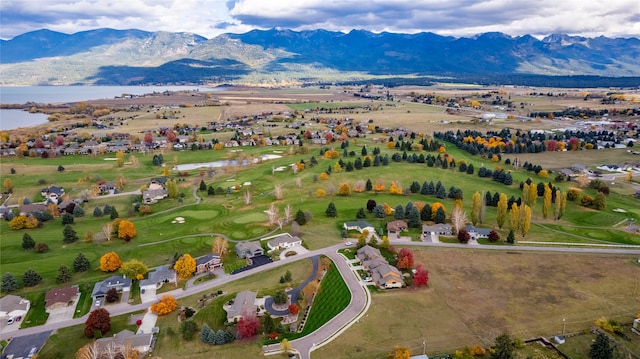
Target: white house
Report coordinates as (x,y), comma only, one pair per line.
(283,241)
(13,307)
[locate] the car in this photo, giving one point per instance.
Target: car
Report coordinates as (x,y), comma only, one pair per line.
(9,321)
(367,279)
(98,302)
(348,243)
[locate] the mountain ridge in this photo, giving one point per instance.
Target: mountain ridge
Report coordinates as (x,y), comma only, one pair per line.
(119,57)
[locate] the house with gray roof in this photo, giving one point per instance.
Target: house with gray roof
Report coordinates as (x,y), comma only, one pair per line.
(208,263)
(143,343)
(243,304)
(13,306)
(120,283)
(476,232)
(359,226)
(283,241)
(248,249)
(437,229)
(158,278)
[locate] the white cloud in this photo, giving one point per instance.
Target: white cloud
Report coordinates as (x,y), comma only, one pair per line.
(212,17)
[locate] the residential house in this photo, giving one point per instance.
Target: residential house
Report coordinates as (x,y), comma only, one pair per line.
(440,229)
(359,226)
(107,187)
(248,249)
(52,193)
(154,195)
(394,228)
(4,211)
(120,283)
(476,232)
(32,208)
(158,278)
(382,273)
(25,346)
(142,343)
(283,241)
(13,307)
(61,297)
(208,263)
(243,304)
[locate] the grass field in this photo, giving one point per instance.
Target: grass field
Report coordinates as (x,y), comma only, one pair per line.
(474,296)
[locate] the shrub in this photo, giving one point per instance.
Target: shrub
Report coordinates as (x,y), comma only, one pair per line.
(41,247)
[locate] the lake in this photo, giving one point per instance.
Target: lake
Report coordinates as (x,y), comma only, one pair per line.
(11,119)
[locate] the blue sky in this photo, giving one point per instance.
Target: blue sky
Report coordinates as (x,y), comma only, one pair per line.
(209,18)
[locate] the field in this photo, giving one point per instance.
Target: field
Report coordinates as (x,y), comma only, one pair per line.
(474,296)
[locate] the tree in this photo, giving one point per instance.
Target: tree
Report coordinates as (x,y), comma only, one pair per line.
(360,214)
(501,215)
(503,348)
(601,348)
(69,234)
(8,185)
(166,305)
(400,353)
(280,297)
(9,283)
(248,325)
(463,236)
(205,333)
(439,216)
(458,218)
(126,230)
(27,242)
(31,278)
(476,205)
(268,325)
(405,259)
(81,263)
(300,218)
(110,262)
(203,186)
(247,197)
(120,158)
(344,190)
(67,218)
(493,236)
(172,188)
(78,211)
(546,201)
(107,230)
(99,320)
(185,266)
(220,247)
(525,219)
(293,309)
(285,346)
(114,213)
(600,202)
(511,238)
(421,277)
(331,210)
(64,275)
(514,217)
(413,218)
(188,329)
(134,269)
(112,295)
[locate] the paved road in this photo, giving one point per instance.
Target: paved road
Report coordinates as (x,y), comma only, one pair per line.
(357,306)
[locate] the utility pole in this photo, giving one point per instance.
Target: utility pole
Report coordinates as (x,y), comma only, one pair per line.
(424,346)
(564,325)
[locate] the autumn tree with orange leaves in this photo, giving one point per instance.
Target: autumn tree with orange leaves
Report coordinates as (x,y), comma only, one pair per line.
(126,230)
(110,262)
(166,305)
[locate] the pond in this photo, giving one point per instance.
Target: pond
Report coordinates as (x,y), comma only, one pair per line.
(223,163)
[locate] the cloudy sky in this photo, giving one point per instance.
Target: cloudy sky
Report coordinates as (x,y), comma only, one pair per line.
(209,18)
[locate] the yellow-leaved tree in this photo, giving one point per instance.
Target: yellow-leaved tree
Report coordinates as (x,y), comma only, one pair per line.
(166,305)
(400,353)
(110,262)
(134,269)
(185,266)
(126,230)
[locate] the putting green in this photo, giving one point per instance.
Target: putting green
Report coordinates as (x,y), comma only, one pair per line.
(249,218)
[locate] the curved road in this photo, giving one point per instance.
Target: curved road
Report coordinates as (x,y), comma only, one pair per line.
(356,308)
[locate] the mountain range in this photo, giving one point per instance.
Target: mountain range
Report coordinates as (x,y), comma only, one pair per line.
(276,56)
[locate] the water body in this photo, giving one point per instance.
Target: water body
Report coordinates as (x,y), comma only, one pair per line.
(11,119)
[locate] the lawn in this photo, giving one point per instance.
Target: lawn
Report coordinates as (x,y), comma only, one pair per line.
(474,296)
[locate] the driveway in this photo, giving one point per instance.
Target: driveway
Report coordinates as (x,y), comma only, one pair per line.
(62,314)
(296,249)
(148,322)
(149,295)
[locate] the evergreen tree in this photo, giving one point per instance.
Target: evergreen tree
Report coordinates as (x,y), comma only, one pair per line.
(360,214)
(219,339)
(379,211)
(64,275)
(81,263)
(425,188)
(203,186)
(369,185)
(425,213)
(204,333)
(78,211)
(268,326)
(601,348)
(440,191)
(511,238)
(399,212)
(229,335)
(503,348)
(415,187)
(470,169)
(69,234)
(114,213)
(300,218)
(67,218)
(107,209)
(97,212)
(331,211)
(9,283)
(413,218)
(31,278)
(440,216)
(27,241)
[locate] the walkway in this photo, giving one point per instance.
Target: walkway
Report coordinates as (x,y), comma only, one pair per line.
(293,293)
